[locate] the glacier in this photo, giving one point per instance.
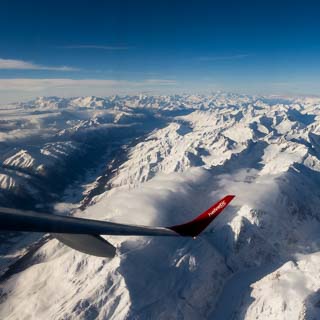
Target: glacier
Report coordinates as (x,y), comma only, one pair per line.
(161,160)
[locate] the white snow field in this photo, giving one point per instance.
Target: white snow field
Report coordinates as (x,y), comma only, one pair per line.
(161,160)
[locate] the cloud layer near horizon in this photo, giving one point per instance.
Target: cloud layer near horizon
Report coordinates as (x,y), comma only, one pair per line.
(25,88)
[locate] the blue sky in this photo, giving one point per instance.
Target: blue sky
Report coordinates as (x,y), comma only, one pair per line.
(106,47)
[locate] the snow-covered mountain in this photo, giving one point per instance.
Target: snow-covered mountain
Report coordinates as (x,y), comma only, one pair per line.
(160,160)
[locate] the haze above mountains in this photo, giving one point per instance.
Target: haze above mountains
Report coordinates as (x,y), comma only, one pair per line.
(160,160)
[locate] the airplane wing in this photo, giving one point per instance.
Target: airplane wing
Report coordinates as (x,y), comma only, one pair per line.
(84,234)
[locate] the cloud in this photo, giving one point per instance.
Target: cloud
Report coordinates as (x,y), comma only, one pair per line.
(25,65)
(220,58)
(154,201)
(162,82)
(93,46)
(27,84)
(26,88)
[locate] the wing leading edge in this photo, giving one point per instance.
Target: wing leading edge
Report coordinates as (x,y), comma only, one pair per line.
(84,234)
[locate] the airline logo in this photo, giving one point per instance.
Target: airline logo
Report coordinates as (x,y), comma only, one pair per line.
(220,206)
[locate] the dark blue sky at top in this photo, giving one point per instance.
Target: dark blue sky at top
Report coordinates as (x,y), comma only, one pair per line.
(251,46)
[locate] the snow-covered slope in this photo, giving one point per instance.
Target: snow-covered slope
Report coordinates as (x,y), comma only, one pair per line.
(160,160)
(289,292)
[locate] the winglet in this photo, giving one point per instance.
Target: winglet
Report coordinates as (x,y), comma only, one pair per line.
(197,225)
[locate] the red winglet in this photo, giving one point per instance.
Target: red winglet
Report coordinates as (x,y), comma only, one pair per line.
(197,225)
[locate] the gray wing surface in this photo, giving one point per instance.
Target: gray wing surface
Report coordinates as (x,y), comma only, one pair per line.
(84,234)
(18,220)
(77,233)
